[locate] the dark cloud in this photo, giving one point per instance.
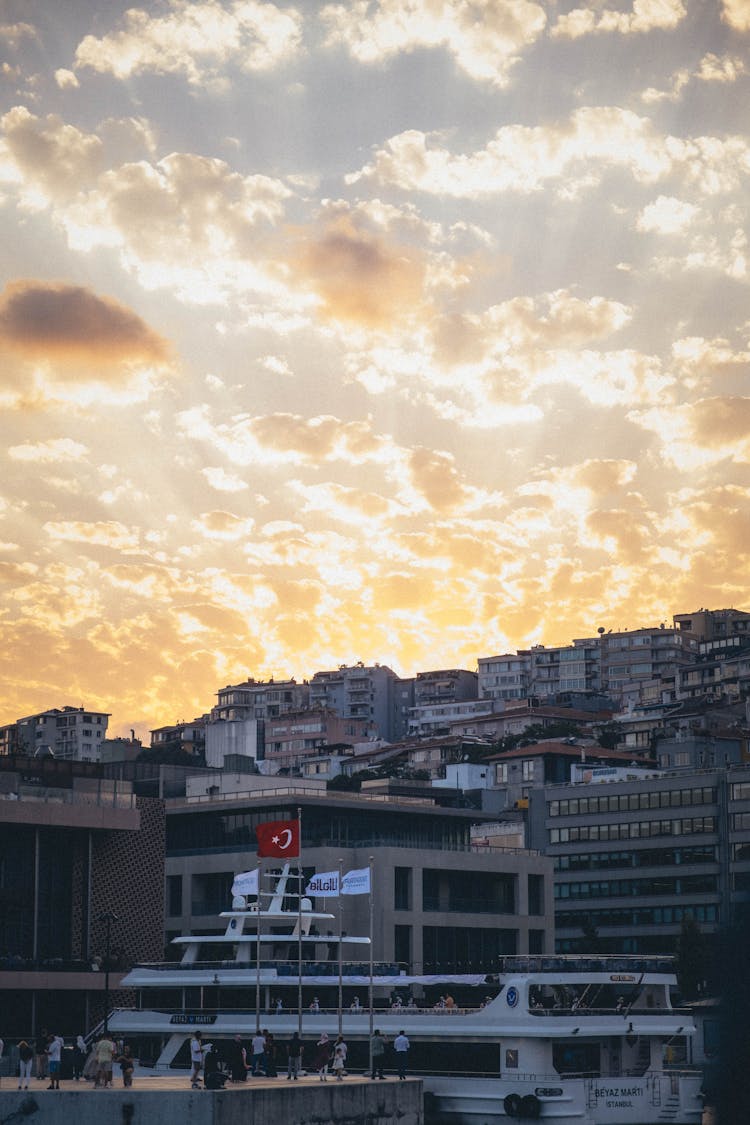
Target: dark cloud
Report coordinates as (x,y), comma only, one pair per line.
(58,321)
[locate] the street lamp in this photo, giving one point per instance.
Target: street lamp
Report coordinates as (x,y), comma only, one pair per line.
(108,917)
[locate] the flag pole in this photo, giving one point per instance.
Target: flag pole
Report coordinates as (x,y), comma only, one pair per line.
(341,970)
(299,923)
(257,953)
(371,965)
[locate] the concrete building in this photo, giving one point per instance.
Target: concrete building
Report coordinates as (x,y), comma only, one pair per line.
(559,669)
(70,733)
(440,901)
(241,737)
(504,677)
(257,699)
(73,847)
(188,737)
(434,719)
(299,735)
(713,624)
(516,720)
(445,686)
(362,692)
(634,858)
(631,659)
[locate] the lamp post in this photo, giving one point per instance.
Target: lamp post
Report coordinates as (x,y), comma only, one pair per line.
(108,917)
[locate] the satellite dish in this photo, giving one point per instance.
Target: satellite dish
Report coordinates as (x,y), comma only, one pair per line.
(238,902)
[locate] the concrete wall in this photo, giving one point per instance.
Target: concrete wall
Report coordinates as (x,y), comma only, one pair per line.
(396,1103)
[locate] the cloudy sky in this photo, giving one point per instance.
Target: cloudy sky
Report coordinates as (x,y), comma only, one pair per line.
(405,331)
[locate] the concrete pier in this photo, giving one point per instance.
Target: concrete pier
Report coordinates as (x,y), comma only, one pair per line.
(170,1101)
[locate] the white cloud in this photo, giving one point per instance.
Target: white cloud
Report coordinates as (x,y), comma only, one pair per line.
(576,153)
(644,16)
(45,452)
(66,79)
(486,37)
(667,215)
(195,40)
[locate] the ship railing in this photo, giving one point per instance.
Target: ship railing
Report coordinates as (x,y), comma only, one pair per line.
(573,963)
(283,969)
(628,1013)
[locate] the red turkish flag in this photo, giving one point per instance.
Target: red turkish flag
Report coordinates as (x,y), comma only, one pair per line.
(278,838)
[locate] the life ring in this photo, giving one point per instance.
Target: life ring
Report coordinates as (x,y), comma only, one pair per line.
(512,1105)
(530,1106)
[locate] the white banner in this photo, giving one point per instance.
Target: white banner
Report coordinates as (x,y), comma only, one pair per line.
(246,883)
(356,882)
(323,885)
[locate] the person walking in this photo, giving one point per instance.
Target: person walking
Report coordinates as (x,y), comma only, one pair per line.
(105,1053)
(401,1047)
(127,1066)
(295,1051)
(344,1049)
(322,1057)
(54,1057)
(196,1059)
(377,1050)
(25,1059)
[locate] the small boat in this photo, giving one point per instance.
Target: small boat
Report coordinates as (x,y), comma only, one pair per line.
(581,1040)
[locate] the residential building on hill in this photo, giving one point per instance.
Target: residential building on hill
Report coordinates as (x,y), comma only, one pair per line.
(359,691)
(299,735)
(70,733)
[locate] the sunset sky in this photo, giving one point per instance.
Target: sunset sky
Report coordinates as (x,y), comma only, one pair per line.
(407,331)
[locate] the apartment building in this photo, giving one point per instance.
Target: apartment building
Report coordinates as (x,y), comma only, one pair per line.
(70,733)
(299,735)
(367,692)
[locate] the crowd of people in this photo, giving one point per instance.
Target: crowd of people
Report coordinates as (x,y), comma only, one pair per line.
(212,1065)
(43,1059)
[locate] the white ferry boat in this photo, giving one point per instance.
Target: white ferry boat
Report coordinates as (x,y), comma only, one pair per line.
(575,1039)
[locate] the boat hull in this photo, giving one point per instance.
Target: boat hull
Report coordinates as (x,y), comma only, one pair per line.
(653,1099)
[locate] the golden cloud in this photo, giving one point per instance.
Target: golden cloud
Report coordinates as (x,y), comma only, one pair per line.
(360,277)
(68,324)
(437,479)
(721,420)
(736,13)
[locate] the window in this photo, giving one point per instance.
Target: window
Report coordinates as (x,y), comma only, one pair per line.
(402,889)
(527,767)
(174,894)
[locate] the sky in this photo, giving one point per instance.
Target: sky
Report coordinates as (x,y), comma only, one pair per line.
(406,331)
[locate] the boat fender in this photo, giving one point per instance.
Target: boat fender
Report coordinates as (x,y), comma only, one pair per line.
(530,1106)
(512,1105)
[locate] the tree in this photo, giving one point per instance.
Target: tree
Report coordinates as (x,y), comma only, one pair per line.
(342,782)
(590,939)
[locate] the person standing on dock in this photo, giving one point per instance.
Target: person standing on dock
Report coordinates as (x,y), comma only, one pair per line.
(377,1049)
(294,1050)
(401,1047)
(196,1058)
(259,1054)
